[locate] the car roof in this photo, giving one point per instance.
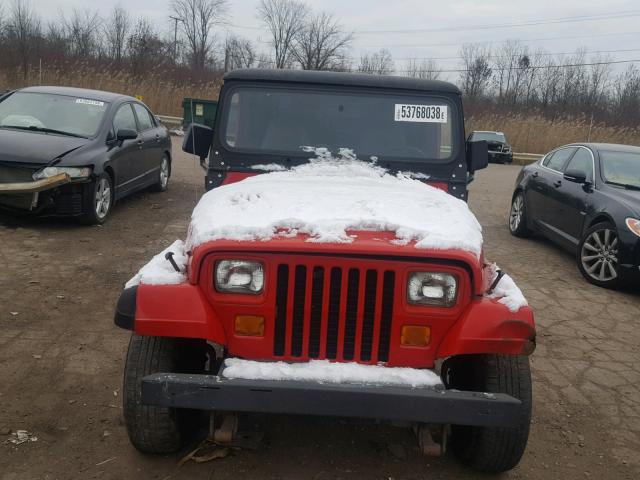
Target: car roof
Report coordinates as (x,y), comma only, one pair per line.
(613,147)
(341,79)
(78,92)
(488,131)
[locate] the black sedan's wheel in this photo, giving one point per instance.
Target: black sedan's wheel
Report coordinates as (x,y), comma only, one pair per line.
(517,217)
(598,256)
(98,201)
(163,175)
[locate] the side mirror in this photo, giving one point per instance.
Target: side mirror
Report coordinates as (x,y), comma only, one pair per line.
(198,140)
(575,176)
(126,134)
(477,155)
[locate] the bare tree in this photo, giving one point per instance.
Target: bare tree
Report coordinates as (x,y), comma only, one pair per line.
(238,53)
(476,71)
(144,47)
(425,69)
(23,32)
(116,31)
(321,43)
(82,29)
(379,63)
(284,19)
(197,19)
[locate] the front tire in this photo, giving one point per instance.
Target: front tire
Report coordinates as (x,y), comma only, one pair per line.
(598,256)
(491,449)
(98,200)
(154,429)
(518,217)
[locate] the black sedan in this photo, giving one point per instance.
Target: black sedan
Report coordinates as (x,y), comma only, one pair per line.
(499,148)
(585,197)
(75,152)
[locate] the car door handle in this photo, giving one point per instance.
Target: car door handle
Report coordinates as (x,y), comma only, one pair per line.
(557,183)
(535,175)
(157,137)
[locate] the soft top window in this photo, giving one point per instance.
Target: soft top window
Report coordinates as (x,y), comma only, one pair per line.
(283,120)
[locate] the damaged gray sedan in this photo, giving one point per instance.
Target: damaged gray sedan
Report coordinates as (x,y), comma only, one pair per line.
(75,152)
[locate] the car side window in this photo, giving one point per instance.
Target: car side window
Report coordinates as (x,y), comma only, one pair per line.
(144,117)
(124,119)
(559,158)
(582,162)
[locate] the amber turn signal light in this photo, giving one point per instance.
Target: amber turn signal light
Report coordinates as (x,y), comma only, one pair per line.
(415,336)
(249,325)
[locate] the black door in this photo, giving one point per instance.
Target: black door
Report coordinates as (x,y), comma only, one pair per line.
(125,154)
(572,198)
(149,133)
(540,195)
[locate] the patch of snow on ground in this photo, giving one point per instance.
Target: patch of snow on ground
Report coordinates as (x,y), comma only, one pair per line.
(324,371)
(506,290)
(329,196)
(159,270)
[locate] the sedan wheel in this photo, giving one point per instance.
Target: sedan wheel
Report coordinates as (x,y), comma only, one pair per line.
(163,175)
(98,200)
(103,198)
(598,256)
(517,217)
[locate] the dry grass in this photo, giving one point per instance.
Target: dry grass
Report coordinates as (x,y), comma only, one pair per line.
(157,89)
(537,134)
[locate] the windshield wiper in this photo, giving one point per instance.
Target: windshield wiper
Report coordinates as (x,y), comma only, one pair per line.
(44,129)
(624,185)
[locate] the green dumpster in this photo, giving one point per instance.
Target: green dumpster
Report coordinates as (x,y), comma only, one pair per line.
(197,110)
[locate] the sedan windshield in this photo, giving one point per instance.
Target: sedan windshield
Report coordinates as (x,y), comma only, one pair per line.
(56,114)
(283,120)
(621,168)
(489,136)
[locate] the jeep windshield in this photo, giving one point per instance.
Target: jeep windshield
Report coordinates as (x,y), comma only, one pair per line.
(277,120)
(52,113)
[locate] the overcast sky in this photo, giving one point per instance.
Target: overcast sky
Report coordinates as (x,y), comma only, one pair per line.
(444,25)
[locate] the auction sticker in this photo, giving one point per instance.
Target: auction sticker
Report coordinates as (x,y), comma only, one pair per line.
(86,101)
(420,113)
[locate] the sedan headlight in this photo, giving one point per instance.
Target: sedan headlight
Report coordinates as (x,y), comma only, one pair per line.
(239,276)
(633,224)
(73,172)
(430,288)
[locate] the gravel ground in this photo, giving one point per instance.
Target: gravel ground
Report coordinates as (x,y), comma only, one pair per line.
(61,359)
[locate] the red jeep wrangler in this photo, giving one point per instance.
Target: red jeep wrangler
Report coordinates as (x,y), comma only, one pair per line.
(332,286)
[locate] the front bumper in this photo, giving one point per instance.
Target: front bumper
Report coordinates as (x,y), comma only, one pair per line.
(426,405)
(501,157)
(57,195)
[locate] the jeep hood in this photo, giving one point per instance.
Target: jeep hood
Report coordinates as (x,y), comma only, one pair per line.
(328,199)
(37,148)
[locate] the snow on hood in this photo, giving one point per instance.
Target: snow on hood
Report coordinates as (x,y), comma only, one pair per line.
(328,197)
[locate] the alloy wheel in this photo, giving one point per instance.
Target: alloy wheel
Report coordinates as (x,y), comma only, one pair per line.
(103,198)
(515,216)
(599,255)
(164,172)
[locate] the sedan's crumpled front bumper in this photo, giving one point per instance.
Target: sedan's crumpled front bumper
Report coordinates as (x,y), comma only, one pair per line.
(427,405)
(35,186)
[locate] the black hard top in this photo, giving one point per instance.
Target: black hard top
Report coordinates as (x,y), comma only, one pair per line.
(342,79)
(613,147)
(78,92)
